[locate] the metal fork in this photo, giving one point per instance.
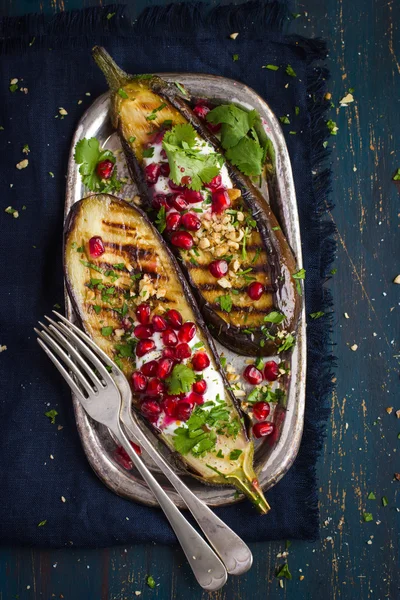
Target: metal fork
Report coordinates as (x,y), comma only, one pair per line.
(100,397)
(232,550)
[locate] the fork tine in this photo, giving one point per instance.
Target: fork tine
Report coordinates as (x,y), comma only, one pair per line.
(62,370)
(89,342)
(64,356)
(61,339)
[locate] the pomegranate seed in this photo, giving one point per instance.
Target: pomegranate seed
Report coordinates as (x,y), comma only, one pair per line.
(152,173)
(200,361)
(183,411)
(201,111)
(175,186)
(255,290)
(194,398)
(252,375)
(220,201)
(144,347)
(261,410)
(139,381)
(168,353)
(178,202)
(182,239)
(104,169)
(218,268)
(150,409)
(192,197)
(164,367)
(157,137)
(214,184)
(174,318)
(173,221)
(164,169)
(169,337)
(159,323)
(262,429)
(122,458)
(199,387)
(169,405)
(143,313)
(150,368)
(182,351)
(155,387)
(186,180)
(271,370)
(214,128)
(96,246)
(191,222)
(159,200)
(143,332)
(187,332)
(136,448)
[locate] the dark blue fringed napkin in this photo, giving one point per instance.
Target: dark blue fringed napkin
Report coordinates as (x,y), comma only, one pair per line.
(41,462)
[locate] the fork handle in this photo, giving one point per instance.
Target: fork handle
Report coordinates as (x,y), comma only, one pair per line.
(234,553)
(208,569)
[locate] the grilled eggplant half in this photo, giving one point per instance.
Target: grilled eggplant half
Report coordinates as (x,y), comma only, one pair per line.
(132,299)
(233,252)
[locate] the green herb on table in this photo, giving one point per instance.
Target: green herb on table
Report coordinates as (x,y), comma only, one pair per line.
(290,71)
(235,57)
(184,156)
(396,177)
(225,302)
(271,67)
(368,517)
(285,120)
(284,572)
(297,276)
(385,501)
(150,581)
(88,154)
(317,315)
(110,16)
(333,271)
(371,496)
(297,110)
(42,523)
(51,414)
(333,128)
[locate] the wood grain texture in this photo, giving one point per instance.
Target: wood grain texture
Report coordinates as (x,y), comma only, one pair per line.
(354,559)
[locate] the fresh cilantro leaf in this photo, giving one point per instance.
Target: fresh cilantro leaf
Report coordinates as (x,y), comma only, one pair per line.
(235,57)
(106,331)
(234,455)
(225,302)
(52,415)
(271,67)
(287,342)
(125,350)
(96,308)
(132,139)
(368,517)
(88,154)
(185,159)
(396,177)
(219,454)
(223,361)
(284,572)
(42,523)
(148,152)
(150,582)
(247,156)
(274,317)
(325,144)
(122,93)
(333,271)
(180,380)
(385,501)
(290,71)
(284,120)
(160,220)
(317,315)
(371,496)
(13,87)
(236,123)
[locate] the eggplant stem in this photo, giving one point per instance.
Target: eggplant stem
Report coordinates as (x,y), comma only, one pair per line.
(253,492)
(115,76)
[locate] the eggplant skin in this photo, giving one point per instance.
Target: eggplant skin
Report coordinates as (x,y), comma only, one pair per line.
(279,260)
(133,245)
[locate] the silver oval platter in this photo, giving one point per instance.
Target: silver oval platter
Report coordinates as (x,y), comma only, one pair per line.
(272,459)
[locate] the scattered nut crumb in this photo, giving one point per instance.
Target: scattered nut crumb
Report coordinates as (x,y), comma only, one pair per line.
(63,499)
(59,427)
(397,279)
(23,164)
(354,347)
(328,96)
(24,90)
(346,316)
(346,100)
(397,476)
(301,577)
(62,111)
(136,200)
(389,410)
(3,348)
(79,101)
(233,36)
(398,414)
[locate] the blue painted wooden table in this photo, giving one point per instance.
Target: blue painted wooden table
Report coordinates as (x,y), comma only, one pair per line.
(354,559)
